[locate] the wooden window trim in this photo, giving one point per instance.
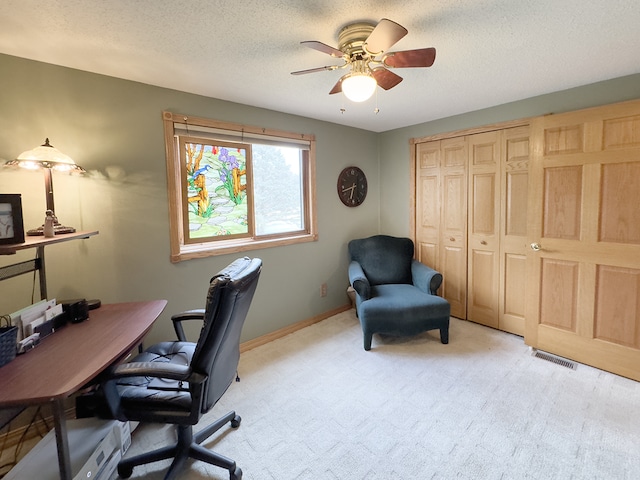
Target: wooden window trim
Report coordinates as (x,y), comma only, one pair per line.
(180,250)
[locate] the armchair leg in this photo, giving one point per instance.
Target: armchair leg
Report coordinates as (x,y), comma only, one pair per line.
(367,341)
(444,335)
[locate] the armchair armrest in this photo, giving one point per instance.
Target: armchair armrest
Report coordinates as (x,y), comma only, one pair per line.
(359,281)
(425,278)
(178,318)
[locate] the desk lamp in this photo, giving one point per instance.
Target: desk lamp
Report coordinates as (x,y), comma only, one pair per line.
(47,158)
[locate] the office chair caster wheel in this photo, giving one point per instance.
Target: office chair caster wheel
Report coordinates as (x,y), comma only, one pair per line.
(125,472)
(235,423)
(236,475)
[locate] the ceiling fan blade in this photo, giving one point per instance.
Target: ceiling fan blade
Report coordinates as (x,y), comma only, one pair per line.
(313,70)
(324,48)
(337,88)
(422,57)
(385,78)
(386,34)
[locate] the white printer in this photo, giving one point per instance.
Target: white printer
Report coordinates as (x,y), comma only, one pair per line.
(96,446)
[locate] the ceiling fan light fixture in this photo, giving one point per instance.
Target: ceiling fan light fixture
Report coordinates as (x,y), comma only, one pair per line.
(364,48)
(359,87)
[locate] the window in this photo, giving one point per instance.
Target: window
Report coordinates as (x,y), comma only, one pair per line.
(234,187)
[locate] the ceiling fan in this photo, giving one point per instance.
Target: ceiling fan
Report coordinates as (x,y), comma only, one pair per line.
(363,47)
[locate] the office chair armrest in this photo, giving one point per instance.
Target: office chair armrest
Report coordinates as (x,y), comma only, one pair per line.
(172,371)
(168,370)
(196,314)
(359,280)
(425,278)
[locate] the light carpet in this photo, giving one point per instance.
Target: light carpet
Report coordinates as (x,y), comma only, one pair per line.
(315,405)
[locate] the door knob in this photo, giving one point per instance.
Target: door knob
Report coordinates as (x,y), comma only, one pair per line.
(536,247)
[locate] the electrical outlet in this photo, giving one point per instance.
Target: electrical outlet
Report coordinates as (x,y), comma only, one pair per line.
(323,290)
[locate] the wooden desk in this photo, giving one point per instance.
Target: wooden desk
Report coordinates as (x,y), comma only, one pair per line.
(73,356)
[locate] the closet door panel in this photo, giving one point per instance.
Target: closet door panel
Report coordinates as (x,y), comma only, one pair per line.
(618,296)
(514,281)
(619,215)
(516,191)
(453,256)
(483,220)
(514,188)
(428,203)
(453,224)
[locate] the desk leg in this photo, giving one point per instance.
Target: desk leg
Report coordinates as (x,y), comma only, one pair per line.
(42,275)
(62,440)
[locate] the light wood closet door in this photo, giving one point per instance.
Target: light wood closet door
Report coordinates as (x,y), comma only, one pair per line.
(453,224)
(428,203)
(514,181)
(483,227)
(498,185)
(584,281)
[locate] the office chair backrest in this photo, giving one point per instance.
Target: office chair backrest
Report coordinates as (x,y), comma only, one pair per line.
(217,352)
(384,259)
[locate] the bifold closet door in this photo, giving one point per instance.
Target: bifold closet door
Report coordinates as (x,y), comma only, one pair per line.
(471,210)
(428,203)
(513,229)
(484,228)
(497,212)
(453,224)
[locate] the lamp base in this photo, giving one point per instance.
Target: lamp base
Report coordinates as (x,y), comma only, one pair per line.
(57,229)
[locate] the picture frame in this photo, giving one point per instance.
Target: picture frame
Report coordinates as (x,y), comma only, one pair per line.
(11,224)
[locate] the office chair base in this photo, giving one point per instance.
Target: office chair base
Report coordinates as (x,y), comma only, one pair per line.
(188,446)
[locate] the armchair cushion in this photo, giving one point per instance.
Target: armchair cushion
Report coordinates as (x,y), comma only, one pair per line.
(383,259)
(399,309)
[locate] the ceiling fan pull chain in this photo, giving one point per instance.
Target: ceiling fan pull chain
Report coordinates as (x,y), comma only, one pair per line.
(376,110)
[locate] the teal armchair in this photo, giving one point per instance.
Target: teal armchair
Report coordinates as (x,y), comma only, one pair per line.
(395,294)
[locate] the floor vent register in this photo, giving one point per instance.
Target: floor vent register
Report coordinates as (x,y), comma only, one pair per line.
(557,360)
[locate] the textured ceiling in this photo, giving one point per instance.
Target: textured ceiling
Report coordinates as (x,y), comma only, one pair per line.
(489,52)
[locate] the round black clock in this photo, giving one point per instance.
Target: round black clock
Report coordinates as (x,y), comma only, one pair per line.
(352,186)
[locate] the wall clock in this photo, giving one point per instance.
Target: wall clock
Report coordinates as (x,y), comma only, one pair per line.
(352,186)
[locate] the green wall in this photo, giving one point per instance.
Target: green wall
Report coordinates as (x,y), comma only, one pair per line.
(113,128)
(394,144)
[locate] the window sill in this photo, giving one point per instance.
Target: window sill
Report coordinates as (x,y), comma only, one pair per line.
(224,247)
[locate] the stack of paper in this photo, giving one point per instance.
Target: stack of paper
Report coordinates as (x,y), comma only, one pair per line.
(28,318)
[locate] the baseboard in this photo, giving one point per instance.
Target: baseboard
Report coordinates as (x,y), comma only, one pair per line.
(283,332)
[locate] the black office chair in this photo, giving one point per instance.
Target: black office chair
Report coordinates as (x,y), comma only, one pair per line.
(177,382)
